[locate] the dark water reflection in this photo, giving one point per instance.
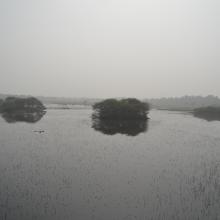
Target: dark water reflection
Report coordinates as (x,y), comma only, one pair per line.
(126,127)
(207,116)
(23,116)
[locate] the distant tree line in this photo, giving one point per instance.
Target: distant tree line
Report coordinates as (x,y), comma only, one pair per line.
(184,103)
(58,100)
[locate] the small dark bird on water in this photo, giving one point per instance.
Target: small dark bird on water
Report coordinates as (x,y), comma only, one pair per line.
(40,131)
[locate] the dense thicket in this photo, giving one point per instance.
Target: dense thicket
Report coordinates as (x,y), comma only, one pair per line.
(12,104)
(124,109)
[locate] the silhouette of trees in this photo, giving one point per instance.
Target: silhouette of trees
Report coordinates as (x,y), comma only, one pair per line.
(187,103)
(15,109)
(12,104)
(124,109)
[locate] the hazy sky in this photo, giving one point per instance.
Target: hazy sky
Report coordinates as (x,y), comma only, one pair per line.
(110,48)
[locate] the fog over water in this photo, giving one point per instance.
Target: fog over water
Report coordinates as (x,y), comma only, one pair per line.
(63,159)
(85,48)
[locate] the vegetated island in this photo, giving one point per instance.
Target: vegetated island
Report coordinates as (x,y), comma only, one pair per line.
(125,116)
(28,109)
(210,113)
(124,109)
(30,104)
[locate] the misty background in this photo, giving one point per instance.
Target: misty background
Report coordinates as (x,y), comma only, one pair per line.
(118,48)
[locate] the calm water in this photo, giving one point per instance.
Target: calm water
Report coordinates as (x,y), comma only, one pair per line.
(74,169)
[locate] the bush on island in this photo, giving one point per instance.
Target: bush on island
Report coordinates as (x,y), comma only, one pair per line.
(125,109)
(12,104)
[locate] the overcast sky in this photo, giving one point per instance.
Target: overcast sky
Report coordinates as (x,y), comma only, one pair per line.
(110,48)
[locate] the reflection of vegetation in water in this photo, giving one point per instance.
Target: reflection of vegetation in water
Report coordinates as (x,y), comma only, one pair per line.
(23,116)
(127,127)
(208,113)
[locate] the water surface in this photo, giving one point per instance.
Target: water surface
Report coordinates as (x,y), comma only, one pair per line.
(168,170)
